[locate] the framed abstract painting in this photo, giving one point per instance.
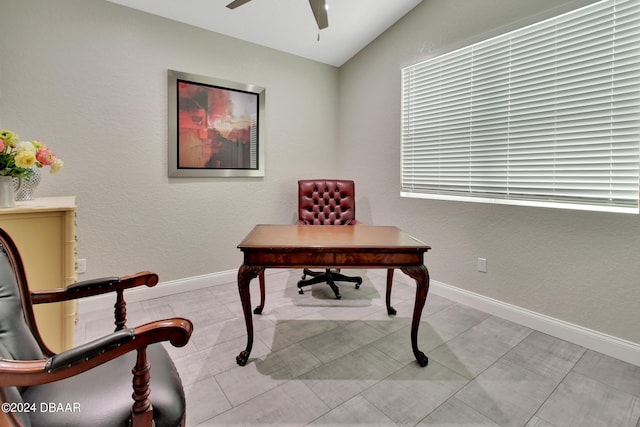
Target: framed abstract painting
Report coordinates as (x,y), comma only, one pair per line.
(216,127)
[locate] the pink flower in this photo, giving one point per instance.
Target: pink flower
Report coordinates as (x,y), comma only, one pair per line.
(1,144)
(45,156)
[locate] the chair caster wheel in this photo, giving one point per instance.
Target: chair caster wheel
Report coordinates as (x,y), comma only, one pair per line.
(358,285)
(300,291)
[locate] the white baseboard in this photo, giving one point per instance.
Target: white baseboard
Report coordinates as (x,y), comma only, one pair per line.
(162,289)
(606,344)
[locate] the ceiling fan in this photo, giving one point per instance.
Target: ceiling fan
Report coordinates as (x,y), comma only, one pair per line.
(318,7)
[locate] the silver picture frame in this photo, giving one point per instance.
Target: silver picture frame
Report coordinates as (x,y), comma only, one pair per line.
(216,127)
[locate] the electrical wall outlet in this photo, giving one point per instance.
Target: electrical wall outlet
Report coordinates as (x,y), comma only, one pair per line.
(81,266)
(482,265)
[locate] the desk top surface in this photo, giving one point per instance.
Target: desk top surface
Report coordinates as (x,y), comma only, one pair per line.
(265,236)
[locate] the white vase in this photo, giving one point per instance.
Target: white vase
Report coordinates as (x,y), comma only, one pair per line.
(7,192)
(24,187)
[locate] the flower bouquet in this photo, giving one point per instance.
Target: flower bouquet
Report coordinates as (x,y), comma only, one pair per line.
(17,158)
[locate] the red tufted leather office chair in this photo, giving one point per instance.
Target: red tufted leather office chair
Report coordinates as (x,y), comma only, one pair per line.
(326,202)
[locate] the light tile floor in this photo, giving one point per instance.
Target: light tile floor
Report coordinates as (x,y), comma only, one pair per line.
(325,362)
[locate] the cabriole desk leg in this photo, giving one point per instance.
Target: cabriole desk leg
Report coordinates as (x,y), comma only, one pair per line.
(245,275)
(421,276)
(390,310)
(258,309)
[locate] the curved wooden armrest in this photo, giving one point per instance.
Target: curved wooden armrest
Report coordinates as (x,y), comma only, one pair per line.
(87,356)
(93,287)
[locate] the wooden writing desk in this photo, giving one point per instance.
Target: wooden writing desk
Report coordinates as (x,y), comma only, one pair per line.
(358,246)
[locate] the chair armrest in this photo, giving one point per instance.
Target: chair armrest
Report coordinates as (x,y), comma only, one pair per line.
(93,287)
(87,356)
(88,350)
(87,285)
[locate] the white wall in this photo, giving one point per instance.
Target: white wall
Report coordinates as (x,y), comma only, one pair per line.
(89,78)
(579,267)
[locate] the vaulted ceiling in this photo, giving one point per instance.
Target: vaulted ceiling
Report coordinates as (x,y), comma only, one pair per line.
(288,25)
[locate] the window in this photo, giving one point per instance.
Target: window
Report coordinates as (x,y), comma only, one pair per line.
(548,115)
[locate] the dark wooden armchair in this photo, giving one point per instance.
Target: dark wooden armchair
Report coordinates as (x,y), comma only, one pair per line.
(123,379)
(326,202)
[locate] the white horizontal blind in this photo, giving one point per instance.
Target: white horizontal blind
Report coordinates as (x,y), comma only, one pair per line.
(547,114)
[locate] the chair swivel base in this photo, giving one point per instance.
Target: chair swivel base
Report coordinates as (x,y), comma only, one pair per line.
(329,277)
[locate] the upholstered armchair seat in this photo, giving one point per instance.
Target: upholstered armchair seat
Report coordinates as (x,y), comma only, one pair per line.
(113,403)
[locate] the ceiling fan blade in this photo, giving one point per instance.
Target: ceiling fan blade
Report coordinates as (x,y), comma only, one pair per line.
(236,3)
(320,12)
